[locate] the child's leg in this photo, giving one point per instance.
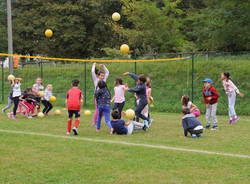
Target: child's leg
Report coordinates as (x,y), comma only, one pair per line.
(145,111)
(139,109)
(208,115)
(50,106)
(9,105)
(231,104)
(96,113)
(213,113)
(44,102)
(120,107)
(99,117)
(137,126)
(16,101)
(69,121)
(115,106)
(130,128)
(107,116)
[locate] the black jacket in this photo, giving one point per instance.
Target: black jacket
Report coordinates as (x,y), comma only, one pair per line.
(189,121)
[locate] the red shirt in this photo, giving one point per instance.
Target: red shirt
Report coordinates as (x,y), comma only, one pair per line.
(74,96)
(210,92)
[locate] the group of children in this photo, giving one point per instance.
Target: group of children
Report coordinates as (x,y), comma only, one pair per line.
(27,102)
(210,96)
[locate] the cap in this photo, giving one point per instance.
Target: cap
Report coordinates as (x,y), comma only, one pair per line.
(208,80)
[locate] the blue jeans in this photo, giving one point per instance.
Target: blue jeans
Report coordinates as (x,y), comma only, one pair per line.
(106,111)
(139,108)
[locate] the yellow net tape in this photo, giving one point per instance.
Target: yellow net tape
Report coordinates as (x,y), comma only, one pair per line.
(90,60)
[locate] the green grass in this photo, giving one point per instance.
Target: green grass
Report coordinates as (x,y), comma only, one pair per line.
(39,159)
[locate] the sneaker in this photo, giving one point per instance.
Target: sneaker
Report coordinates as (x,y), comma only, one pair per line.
(14,117)
(194,136)
(231,122)
(207,127)
(146,123)
(215,127)
(235,120)
(29,117)
(97,130)
(111,131)
(145,128)
(150,122)
(34,115)
(9,115)
(75,131)
(199,135)
(68,133)
(93,124)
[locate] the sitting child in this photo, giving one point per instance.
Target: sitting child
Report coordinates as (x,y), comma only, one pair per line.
(191,124)
(121,128)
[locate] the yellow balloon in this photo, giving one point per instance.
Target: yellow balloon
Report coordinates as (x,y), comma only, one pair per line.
(58,112)
(11,77)
(48,33)
(52,99)
(40,115)
(41,94)
(124,48)
(116,16)
(87,113)
(130,114)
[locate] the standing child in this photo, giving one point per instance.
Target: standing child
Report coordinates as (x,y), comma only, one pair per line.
(103,99)
(230,89)
(210,97)
(140,90)
(191,124)
(74,101)
(145,111)
(119,98)
(38,86)
(45,100)
(98,75)
(16,86)
(188,104)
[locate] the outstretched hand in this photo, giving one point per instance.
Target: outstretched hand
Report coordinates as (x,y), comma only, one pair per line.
(126,74)
(241,95)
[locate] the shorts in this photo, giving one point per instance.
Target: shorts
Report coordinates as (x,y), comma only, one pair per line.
(72,112)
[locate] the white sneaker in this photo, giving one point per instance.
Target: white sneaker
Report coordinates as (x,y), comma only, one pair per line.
(29,117)
(68,133)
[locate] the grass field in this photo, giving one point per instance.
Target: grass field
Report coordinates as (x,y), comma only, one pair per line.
(38,158)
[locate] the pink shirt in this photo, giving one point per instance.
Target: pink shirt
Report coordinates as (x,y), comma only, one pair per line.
(119,94)
(148,91)
(229,86)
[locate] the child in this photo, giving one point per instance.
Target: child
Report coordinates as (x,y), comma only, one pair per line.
(120,127)
(74,102)
(145,111)
(38,86)
(10,102)
(119,98)
(27,100)
(140,91)
(191,124)
(210,97)
(98,75)
(188,104)
(16,86)
(230,89)
(45,100)
(103,99)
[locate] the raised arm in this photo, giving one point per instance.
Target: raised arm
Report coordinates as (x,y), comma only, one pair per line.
(106,72)
(134,76)
(93,72)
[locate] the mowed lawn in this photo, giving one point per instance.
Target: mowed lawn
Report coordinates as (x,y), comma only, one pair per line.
(43,159)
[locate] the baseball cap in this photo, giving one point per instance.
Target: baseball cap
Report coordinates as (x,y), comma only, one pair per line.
(208,80)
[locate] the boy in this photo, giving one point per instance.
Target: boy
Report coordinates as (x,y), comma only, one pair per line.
(210,97)
(74,102)
(140,90)
(122,128)
(191,124)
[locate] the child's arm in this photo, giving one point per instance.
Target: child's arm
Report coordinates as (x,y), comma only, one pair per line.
(112,99)
(136,97)
(81,99)
(193,107)
(19,79)
(12,83)
(127,123)
(235,88)
(136,89)
(134,76)
(215,94)
(106,71)
(93,72)
(205,100)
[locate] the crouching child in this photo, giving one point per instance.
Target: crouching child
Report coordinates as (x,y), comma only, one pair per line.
(191,124)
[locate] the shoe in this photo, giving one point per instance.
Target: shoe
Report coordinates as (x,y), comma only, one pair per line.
(111,131)
(34,115)
(215,127)
(97,130)
(194,136)
(93,124)
(145,128)
(199,135)
(68,133)
(29,117)
(231,122)
(150,122)
(14,117)
(146,123)
(235,120)
(75,131)
(9,115)
(3,111)
(207,127)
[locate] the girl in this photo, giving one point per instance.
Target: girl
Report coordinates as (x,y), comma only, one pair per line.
(27,100)
(230,89)
(38,86)
(119,98)
(103,98)
(145,111)
(45,100)
(188,104)
(16,86)
(98,75)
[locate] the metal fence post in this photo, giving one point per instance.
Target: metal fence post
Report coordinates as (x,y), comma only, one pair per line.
(85,83)
(41,69)
(2,83)
(192,77)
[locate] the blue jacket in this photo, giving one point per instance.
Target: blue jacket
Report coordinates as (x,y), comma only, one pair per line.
(103,97)
(189,121)
(140,89)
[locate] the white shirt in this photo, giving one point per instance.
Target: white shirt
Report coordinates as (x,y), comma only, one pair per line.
(119,94)
(38,88)
(16,90)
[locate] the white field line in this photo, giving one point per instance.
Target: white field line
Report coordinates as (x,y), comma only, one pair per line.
(128,144)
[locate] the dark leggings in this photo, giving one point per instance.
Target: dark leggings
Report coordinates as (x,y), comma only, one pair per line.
(139,108)
(47,106)
(119,106)
(16,102)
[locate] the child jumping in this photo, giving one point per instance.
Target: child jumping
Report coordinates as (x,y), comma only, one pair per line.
(16,86)
(98,75)
(119,98)
(230,90)
(74,101)
(45,100)
(140,90)
(191,124)
(103,99)
(186,103)
(210,97)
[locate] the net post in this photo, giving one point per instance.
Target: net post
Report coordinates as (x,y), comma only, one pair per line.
(85,83)
(41,69)
(2,82)
(192,77)
(135,81)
